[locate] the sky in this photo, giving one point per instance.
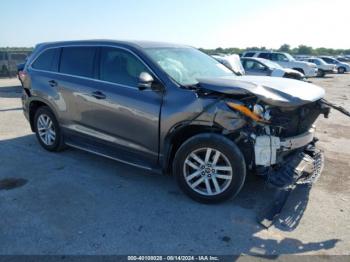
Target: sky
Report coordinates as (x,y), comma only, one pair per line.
(199,23)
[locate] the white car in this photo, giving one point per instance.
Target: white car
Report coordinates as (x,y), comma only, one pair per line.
(323,67)
(264,67)
(232,62)
(285,60)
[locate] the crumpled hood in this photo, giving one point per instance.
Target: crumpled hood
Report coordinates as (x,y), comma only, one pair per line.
(281,92)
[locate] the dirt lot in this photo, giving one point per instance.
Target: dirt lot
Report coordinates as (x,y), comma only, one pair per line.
(77,203)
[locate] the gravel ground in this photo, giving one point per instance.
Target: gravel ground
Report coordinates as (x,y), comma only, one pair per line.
(77,203)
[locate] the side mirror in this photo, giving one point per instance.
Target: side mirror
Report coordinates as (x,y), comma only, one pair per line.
(145,81)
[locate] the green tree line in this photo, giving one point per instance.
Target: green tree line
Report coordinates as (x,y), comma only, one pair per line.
(300,50)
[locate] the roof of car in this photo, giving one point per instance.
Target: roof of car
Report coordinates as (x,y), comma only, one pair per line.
(262,60)
(137,43)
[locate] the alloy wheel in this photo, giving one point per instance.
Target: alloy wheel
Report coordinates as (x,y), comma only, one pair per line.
(207,171)
(46,130)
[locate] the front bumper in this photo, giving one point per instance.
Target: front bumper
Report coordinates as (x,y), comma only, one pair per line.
(299,168)
(267,148)
(311,72)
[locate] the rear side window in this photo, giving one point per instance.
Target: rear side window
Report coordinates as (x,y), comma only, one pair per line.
(249,54)
(78,61)
(328,60)
(119,66)
(265,55)
(47,60)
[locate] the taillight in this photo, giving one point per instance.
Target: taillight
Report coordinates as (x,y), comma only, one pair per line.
(22,75)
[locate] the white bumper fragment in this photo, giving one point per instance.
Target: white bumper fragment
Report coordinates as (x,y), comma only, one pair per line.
(266,147)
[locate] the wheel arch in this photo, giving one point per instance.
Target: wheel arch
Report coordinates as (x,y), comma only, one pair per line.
(178,135)
(299,70)
(34,105)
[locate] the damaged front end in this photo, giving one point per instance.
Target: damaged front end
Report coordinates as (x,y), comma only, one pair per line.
(278,138)
(275,134)
(282,146)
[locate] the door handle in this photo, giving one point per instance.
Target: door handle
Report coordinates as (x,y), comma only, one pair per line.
(98,95)
(52,83)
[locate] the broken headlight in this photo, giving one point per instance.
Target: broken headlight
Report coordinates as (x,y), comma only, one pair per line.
(257,114)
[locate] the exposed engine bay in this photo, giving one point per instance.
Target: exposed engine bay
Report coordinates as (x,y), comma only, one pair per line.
(278,139)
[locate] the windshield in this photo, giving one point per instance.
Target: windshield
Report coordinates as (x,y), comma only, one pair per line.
(186,65)
(290,58)
(271,64)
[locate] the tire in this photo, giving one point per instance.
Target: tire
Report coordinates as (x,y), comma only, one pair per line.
(42,120)
(341,70)
(320,73)
(228,182)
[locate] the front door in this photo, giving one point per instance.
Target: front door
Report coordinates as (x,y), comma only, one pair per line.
(122,115)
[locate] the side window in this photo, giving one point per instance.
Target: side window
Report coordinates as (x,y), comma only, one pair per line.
(249,54)
(264,55)
(48,60)
(274,57)
(328,60)
(120,67)
(78,61)
(282,58)
(252,65)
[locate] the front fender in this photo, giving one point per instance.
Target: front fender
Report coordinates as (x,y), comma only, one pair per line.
(229,120)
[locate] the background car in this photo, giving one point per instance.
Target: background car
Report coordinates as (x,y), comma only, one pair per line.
(285,60)
(343,59)
(264,67)
(232,62)
(341,66)
(323,67)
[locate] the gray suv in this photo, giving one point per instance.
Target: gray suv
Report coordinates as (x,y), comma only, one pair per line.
(170,109)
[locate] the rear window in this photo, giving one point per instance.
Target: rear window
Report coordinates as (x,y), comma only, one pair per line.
(47,60)
(78,61)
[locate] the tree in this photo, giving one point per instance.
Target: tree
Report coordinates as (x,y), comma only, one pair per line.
(284,48)
(304,50)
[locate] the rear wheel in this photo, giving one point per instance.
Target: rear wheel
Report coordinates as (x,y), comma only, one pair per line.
(209,168)
(47,129)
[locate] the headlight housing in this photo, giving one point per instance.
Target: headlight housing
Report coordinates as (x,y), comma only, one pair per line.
(257,114)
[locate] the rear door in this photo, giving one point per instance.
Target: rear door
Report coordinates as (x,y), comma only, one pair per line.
(75,84)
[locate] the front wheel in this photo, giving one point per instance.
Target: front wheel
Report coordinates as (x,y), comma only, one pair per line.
(341,70)
(320,73)
(209,168)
